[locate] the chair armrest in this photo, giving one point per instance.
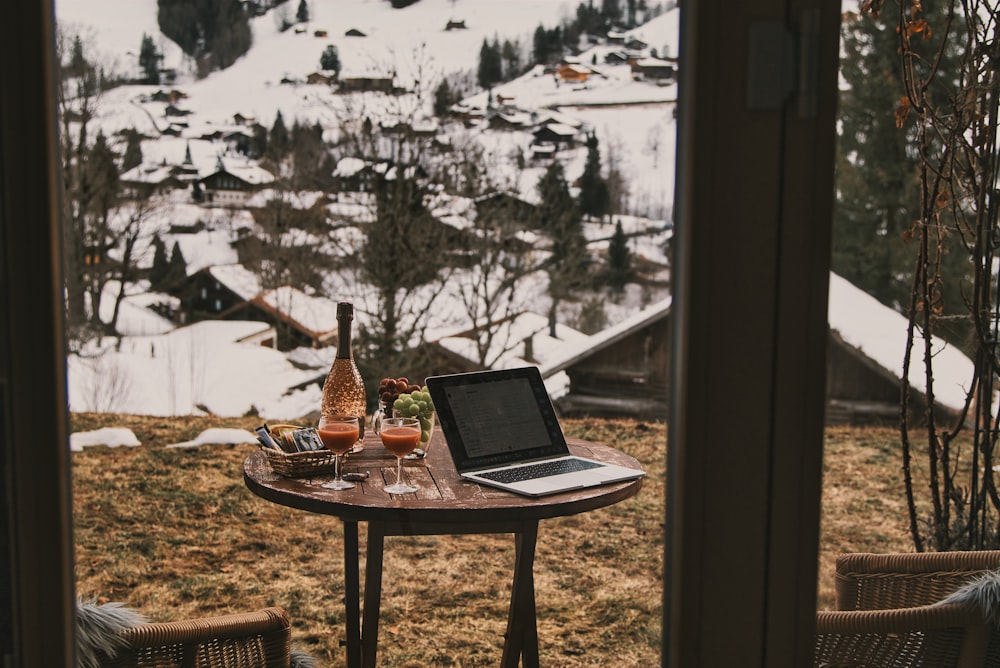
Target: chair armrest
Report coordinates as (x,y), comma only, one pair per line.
(933,636)
(259,639)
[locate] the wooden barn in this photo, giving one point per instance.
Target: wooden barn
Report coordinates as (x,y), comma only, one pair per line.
(865,361)
(624,370)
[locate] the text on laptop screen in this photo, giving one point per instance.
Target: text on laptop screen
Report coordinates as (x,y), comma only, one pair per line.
(479,408)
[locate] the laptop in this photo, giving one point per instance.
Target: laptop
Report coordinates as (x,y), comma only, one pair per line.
(502,431)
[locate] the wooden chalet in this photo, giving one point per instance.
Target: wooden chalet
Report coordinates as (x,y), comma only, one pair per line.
(572,73)
(354,175)
(543,151)
(653,69)
(218,289)
(231,185)
(174,110)
(505,208)
(299,319)
(169,96)
(320,78)
(144,181)
(366,83)
(558,134)
(507,120)
(624,370)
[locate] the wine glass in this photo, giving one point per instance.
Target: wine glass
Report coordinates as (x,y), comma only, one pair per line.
(338,433)
(400,435)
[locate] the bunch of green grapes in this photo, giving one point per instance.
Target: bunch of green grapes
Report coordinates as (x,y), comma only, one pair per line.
(417,404)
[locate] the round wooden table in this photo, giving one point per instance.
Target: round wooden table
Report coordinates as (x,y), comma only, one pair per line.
(444,504)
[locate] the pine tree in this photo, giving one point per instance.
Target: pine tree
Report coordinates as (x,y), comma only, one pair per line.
(161,264)
(133,150)
(619,260)
(558,217)
(444,98)
(541,50)
(595,199)
(490,65)
(279,140)
(302,15)
(149,61)
(330,59)
(176,270)
(611,11)
(78,64)
(511,54)
(878,196)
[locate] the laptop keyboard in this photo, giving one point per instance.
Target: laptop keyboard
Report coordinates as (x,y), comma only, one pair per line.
(540,470)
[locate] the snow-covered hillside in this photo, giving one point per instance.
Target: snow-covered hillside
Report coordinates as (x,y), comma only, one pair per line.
(223,374)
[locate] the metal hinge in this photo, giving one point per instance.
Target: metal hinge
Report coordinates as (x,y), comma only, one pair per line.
(782,63)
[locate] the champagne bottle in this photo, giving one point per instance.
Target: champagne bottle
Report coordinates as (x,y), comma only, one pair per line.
(344,391)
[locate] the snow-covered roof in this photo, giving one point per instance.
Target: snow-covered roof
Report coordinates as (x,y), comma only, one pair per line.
(653,62)
(247,170)
(880,333)
(147,174)
(562,129)
(570,354)
(510,344)
(316,315)
(236,278)
(298,200)
(349,167)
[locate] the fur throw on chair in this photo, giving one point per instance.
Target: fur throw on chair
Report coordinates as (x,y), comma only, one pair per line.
(982,591)
(302,660)
(98,631)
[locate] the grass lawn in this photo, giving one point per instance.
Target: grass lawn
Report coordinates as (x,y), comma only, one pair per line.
(175,534)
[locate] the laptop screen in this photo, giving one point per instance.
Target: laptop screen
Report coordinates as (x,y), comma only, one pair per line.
(492,418)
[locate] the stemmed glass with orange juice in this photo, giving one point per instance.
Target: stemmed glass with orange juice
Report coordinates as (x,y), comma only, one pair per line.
(400,436)
(339,433)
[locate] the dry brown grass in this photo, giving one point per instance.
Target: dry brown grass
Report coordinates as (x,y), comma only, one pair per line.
(176,534)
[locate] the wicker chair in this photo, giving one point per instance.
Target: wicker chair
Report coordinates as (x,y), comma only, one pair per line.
(259,639)
(885,614)
(906,580)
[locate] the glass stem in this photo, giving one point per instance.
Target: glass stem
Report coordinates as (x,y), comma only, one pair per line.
(336,467)
(399,470)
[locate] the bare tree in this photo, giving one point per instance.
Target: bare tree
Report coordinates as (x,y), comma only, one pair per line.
(107,383)
(78,94)
(949,102)
(130,235)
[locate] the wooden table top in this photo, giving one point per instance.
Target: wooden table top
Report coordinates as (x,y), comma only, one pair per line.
(443,497)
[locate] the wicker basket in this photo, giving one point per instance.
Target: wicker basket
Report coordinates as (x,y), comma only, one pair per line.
(299,464)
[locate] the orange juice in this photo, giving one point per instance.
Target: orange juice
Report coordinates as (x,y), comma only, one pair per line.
(338,437)
(400,441)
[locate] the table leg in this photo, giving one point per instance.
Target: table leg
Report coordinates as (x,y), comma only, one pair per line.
(352,594)
(522,631)
(373,593)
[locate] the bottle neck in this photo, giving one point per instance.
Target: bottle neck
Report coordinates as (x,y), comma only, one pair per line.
(344,334)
